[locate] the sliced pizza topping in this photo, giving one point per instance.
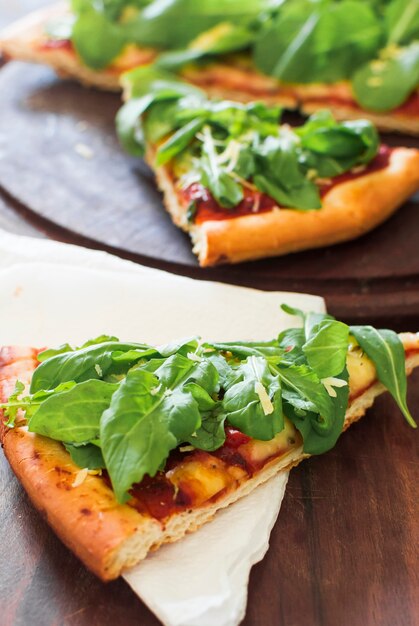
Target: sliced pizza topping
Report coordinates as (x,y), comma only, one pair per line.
(231,159)
(175,427)
(285,42)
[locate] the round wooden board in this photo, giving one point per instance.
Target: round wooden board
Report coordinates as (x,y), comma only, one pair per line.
(61,164)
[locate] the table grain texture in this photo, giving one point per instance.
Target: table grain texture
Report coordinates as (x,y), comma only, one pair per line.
(344,552)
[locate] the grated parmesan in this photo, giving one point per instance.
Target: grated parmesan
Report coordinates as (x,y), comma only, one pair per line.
(264,398)
(80,477)
(98,370)
(330,383)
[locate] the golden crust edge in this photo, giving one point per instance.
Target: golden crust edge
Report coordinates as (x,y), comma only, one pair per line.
(19,41)
(349,210)
(113,537)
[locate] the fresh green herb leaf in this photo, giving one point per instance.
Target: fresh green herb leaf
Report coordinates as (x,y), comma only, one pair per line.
(73,415)
(253,404)
(326,348)
(140,428)
(211,434)
(386,351)
(14,404)
(86,456)
(385,83)
(94,361)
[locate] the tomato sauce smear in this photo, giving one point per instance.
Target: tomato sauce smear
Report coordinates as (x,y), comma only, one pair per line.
(57,44)
(178,487)
(255,202)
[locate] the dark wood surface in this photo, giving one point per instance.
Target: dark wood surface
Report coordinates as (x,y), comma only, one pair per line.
(63,171)
(344,551)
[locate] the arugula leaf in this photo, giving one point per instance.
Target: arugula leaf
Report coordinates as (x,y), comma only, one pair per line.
(173,24)
(47,354)
(91,362)
(303,413)
(317,41)
(129,125)
(385,83)
(386,351)
(73,415)
(302,380)
(14,404)
(244,402)
(226,144)
(326,348)
(402,21)
(140,428)
(222,185)
(178,141)
(211,434)
(223,38)
(96,39)
(86,455)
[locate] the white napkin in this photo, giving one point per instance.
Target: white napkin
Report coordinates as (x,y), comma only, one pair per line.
(51,293)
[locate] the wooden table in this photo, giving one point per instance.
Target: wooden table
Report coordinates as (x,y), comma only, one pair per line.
(344,551)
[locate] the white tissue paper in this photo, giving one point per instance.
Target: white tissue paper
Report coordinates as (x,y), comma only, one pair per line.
(51,293)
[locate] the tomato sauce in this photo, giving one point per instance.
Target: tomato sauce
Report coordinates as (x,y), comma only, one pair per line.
(57,44)
(160,498)
(255,202)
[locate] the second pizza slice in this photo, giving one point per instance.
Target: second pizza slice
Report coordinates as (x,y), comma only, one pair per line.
(246,187)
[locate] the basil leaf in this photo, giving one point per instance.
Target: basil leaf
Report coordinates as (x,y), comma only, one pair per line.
(86,455)
(73,415)
(386,351)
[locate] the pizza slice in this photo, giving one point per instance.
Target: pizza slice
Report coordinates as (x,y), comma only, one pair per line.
(124,447)
(245,187)
(356,58)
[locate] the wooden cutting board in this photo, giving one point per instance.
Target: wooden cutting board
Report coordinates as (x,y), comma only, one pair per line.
(61,163)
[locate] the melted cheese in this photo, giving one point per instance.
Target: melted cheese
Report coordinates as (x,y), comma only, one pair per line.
(131,57)
(256,452)
(202,478)
(362,372)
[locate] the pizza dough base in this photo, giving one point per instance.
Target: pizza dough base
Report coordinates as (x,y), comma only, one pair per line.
(349,210)
(109,537)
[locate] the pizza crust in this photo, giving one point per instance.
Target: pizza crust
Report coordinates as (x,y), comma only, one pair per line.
(106,536)
(25,41)
(349,210)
